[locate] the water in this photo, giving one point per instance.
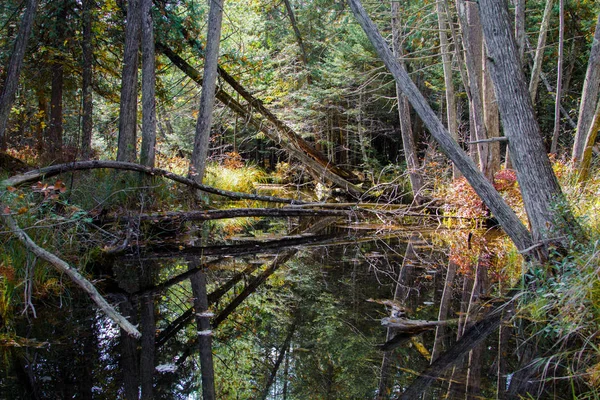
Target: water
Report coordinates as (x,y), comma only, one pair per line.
(293,319)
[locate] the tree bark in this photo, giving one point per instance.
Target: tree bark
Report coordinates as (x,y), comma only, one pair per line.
(15,63)
(539,186)
(589,99)
(520,32)
(127,147)
(539,52)
(504,214)
(53,148)
(473,45)
(148,328)
(559,77)
(87,70)
(147,154)
(207,98)
(584,167)
(408,139)
(442,17)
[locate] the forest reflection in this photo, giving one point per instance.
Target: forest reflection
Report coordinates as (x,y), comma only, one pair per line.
(292,316)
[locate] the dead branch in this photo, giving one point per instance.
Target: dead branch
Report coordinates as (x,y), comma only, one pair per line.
(207,215)
(62,266)
(35,175)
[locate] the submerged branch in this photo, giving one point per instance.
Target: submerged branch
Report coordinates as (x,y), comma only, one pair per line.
(72,273)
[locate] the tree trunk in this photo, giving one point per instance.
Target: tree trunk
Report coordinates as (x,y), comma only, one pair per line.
(539,186)
(296,146)
(442,17)
(87,69)
(491,118)
(127,147)
(198,282)
(148,87)
(408,139)
(290,12)
(520,28)
(539,52)
(207,98)
(559,76)
(584,167)
(589,98)
(53,148)
(15,62)
(504,214)
(473,45)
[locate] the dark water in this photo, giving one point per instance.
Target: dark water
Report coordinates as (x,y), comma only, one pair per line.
(295,319)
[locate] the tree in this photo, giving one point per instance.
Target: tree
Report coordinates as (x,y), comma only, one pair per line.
(589,99)
(87,71)
(539,186)
(126,150)
(504,214)
(148,86)
(15,63)
(539,51)
(408,139)
(207,98)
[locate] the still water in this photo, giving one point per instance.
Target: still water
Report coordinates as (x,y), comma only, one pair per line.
(293,315)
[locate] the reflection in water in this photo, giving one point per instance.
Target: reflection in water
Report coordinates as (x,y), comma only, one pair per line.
(298,322)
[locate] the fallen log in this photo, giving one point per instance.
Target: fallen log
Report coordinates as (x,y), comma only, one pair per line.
(53,170)
(207,215)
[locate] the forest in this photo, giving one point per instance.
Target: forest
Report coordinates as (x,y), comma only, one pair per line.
(299,199)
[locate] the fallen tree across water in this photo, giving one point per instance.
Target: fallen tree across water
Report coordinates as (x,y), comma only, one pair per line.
(53,170)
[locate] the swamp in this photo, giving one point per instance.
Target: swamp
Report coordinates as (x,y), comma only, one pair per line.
(292,199)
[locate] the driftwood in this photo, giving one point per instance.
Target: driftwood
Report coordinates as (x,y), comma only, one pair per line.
(35,175)
(72,273)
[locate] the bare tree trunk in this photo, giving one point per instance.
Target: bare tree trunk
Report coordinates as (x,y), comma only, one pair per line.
(539,52)
(408,139)
(198,282)
(53,149)
(559,76)
(290,12)
(539,186)
(127,148)
(207,98)
(520,28)
(589,98)
(504,214)
(473,45)
(442,17)
(148,86)
(15,62)
(87,69)
(584,167)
